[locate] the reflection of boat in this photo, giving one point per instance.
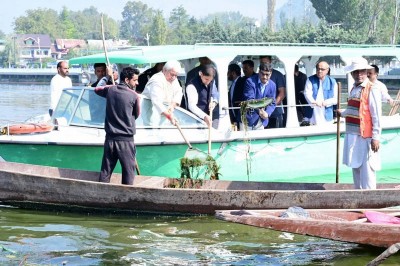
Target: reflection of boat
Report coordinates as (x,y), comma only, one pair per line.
(291,154)
(32,185)
(341,225)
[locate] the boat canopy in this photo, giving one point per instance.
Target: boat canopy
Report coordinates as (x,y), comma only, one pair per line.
(155,54)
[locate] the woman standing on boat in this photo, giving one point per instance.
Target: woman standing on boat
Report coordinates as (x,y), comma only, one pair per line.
(363,127)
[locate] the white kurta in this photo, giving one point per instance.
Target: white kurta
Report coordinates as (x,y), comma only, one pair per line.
(162,93)
(384,91)
(57,84)
(357,150)
(318,117)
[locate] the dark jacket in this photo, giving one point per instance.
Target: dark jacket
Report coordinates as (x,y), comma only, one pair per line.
(122,109)
(252,91)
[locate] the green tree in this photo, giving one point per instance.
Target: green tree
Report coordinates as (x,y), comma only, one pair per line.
(178,23)
(68,29)
(136,21)
(38,21)
(372,21)
(214,33)
(158,34)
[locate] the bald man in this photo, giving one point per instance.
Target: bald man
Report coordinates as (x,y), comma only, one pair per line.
(321,92)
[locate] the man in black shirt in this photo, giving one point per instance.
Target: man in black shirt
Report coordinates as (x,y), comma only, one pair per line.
(122,109)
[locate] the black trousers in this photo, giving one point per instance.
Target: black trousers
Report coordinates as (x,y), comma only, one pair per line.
(125,152)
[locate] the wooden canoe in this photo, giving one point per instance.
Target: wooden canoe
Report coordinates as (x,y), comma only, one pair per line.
(25,184)
(341,225)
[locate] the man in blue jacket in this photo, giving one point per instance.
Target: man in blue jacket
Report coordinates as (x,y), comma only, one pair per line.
(258,87)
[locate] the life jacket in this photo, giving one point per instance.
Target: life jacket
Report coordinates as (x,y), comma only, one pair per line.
(360,115)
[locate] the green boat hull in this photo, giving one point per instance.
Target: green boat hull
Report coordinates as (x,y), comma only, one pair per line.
(297,159)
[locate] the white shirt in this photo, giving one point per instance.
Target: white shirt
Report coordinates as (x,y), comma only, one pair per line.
(384,91)
(57,84)
(160,91)
(318,117)
(192,99)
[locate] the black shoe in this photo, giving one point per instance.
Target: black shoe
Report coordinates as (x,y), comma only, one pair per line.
(305,124)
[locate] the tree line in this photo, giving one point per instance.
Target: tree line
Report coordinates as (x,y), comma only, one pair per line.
(341,21)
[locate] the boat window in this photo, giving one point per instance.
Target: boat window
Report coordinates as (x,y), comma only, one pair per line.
(66,104)
(150,118)
(90,110)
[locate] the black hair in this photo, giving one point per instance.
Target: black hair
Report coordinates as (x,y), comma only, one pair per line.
(266,56)
(59,64)
(248,62)
(296,67)
(128,72)
(99,65)
(235,68)
(265,67)
(376,68)
(208,70)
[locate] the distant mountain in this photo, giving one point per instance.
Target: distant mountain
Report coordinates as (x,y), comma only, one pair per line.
(298,10)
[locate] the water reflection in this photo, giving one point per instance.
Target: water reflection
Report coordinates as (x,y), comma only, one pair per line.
(38,238)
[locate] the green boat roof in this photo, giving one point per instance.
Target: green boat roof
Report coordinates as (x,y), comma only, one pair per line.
(154,54)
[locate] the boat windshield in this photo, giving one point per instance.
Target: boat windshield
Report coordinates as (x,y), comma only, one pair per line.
(80,106)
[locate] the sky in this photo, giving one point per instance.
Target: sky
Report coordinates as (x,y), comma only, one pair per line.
(113,8)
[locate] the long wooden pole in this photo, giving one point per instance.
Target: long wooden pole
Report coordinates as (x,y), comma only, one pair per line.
(338,132)
(209,128)
(112,75)
(105,48)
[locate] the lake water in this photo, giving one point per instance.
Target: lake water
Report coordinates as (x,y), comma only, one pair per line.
(55,238)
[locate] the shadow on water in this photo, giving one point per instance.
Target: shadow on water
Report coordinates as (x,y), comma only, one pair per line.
(43,238)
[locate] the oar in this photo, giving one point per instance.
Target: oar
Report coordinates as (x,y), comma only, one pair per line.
(183,135)
(338,131)
(112,76)
(190,152)
(209,128)
(386,254)
(105,48)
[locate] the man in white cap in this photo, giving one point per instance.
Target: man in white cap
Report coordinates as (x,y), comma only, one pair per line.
(363,127)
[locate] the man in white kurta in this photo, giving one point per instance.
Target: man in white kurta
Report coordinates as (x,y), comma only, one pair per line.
(320,103)
(59,82)
(165,93)
(361,153)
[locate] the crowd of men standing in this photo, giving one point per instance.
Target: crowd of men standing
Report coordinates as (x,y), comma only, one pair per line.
(316,96)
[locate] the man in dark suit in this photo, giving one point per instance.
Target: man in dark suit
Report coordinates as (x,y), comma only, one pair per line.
(238,97)
(234,73)
(258,87)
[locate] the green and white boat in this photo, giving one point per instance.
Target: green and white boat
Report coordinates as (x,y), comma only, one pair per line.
(290,154)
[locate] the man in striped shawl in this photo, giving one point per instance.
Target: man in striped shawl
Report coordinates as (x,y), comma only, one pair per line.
(363,127)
